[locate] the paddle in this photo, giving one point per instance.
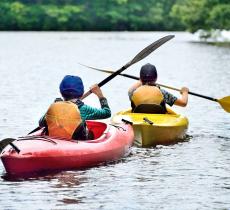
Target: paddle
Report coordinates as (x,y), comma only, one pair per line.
(141,55)
(36,129)
(5,142)
(224,102)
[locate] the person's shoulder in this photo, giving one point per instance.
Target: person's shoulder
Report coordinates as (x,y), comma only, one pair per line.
(85,107)
(79,103)
(164,91)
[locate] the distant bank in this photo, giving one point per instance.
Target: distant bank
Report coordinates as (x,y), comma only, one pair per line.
(213,17)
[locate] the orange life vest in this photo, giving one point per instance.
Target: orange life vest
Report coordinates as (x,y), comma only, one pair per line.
(62,119)
(146,94)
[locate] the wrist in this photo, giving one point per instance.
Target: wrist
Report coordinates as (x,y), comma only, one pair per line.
(100,96)
(103,102)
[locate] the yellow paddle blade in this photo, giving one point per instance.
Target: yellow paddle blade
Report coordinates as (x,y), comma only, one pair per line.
(225,103)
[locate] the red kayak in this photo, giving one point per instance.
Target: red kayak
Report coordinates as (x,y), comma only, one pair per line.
(39,153)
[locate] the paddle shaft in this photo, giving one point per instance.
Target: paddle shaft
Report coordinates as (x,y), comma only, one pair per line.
(36,129)
(172,88)
(191,93)
(107,79)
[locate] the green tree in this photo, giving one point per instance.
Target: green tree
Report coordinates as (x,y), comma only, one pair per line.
(219,17)
(202,14)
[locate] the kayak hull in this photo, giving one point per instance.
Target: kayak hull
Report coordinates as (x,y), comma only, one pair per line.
(158,129)
(43,153)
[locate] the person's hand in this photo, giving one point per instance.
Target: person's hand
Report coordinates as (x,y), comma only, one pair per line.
(96,90)
(184,90)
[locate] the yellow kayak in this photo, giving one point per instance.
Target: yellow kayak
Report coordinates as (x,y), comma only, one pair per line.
(154,129)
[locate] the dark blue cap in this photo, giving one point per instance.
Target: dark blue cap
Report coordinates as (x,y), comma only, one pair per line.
(71,87)
(148,73)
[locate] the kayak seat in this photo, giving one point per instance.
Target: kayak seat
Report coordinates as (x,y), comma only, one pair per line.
(150,109)
(96,129)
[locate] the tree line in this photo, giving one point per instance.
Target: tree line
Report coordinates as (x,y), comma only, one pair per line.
(114,15)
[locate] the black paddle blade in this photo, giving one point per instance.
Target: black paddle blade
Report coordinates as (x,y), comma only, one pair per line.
(145,52)
(141,55)
(149,49)
(5,142)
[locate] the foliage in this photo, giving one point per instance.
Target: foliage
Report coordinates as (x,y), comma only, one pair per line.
(219,17)
(203,14)
(114,14)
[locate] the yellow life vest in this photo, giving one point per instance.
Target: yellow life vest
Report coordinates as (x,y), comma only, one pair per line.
(146,94)
(62,119)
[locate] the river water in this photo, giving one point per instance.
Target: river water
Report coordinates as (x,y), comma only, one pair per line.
(194,174)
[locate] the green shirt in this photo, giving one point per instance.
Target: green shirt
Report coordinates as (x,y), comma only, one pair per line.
(92,113)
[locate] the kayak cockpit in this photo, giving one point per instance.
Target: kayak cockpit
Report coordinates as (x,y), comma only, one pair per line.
(96,130)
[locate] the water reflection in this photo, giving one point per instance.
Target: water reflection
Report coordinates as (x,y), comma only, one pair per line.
(65,179)
(70,179)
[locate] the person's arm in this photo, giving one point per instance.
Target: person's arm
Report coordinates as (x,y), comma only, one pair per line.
(183,101)
(133,88)
(91,113)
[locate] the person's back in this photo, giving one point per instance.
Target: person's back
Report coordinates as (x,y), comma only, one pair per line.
(66,118)
(146,97)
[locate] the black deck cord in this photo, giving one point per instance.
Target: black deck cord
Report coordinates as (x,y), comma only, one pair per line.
(148,121)
(127,121)
(118,127)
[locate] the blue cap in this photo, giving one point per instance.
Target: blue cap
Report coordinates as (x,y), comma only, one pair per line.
(71,87)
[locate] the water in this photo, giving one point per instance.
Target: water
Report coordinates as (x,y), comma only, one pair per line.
(190,175)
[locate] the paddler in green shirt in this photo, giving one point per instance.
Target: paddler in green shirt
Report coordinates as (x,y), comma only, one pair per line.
(66,117)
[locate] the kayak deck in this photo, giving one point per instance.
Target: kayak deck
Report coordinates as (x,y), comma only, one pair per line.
(154,129)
